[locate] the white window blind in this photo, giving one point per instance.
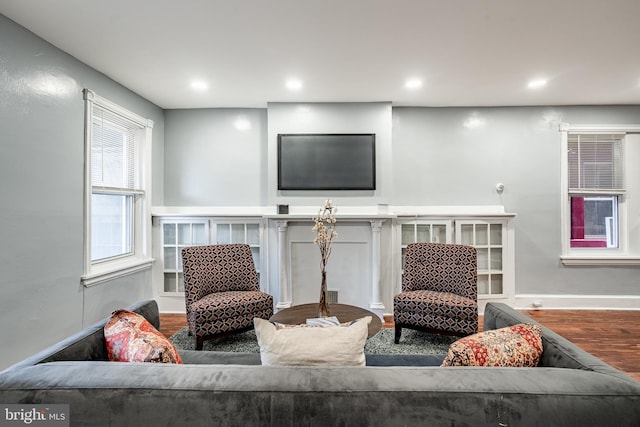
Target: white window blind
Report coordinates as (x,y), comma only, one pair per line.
(596,163)
(115,183)
(113,151)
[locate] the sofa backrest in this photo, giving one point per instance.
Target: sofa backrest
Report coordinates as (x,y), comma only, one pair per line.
(89,343)
(557,351)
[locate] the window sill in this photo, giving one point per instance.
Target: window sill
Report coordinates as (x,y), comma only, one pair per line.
(115,270)
(574,260)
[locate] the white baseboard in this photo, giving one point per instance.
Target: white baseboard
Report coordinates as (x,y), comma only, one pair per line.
(565,302)
(576,302)
(520,302)
(171,304)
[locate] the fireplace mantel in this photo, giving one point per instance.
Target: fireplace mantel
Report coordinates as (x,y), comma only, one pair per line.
(286,243)
(344,212)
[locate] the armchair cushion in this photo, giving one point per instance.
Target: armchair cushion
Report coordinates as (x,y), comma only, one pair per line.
(447,311)
(228,311)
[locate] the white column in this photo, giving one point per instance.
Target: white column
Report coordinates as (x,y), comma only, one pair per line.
(376,305)
(285,288)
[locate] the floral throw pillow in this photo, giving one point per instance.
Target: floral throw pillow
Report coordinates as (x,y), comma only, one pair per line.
(514,346)
(132,338)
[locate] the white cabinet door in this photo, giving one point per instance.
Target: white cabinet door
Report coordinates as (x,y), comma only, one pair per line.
(489,239)
(178,234)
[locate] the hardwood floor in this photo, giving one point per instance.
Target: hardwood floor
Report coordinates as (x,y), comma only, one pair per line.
(171,323)
(612,336)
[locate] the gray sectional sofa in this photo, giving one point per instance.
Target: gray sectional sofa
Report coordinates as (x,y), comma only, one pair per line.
(569,388)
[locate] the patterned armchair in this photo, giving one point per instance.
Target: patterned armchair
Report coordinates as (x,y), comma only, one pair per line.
(222,294)
(439,290)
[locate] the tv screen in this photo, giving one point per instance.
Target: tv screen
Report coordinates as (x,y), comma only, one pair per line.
(326,162)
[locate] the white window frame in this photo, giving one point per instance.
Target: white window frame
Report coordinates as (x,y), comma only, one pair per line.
(96,272)
(628,250)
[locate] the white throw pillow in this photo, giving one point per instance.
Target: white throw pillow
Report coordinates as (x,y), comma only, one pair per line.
(304,345)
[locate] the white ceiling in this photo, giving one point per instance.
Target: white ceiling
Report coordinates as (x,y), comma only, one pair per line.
(466,52)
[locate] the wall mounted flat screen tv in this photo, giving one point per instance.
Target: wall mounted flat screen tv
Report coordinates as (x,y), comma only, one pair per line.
(326,161)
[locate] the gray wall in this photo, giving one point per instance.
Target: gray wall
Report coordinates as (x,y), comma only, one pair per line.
(439,161)
(41,194)
(215,157)
(432,159)
(202,159)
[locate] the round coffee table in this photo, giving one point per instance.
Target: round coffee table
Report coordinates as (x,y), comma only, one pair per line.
(299,314)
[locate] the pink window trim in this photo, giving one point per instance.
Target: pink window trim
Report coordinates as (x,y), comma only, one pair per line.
(587,243)
(577,227)
(577,219)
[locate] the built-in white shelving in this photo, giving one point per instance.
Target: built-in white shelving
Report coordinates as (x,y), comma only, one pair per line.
(375,237)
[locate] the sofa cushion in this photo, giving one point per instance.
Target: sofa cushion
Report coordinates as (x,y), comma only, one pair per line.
(132,338)
(305,345)
(513,346)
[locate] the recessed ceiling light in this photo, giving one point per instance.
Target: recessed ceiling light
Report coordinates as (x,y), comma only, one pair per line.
(537,83)
(294,84)
(413,84)
(199,85)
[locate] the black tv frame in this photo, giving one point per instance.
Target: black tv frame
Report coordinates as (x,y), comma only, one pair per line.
(328,137)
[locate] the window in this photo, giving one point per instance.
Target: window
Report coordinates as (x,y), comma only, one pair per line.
(116,203)
(596,181)
(596,175)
